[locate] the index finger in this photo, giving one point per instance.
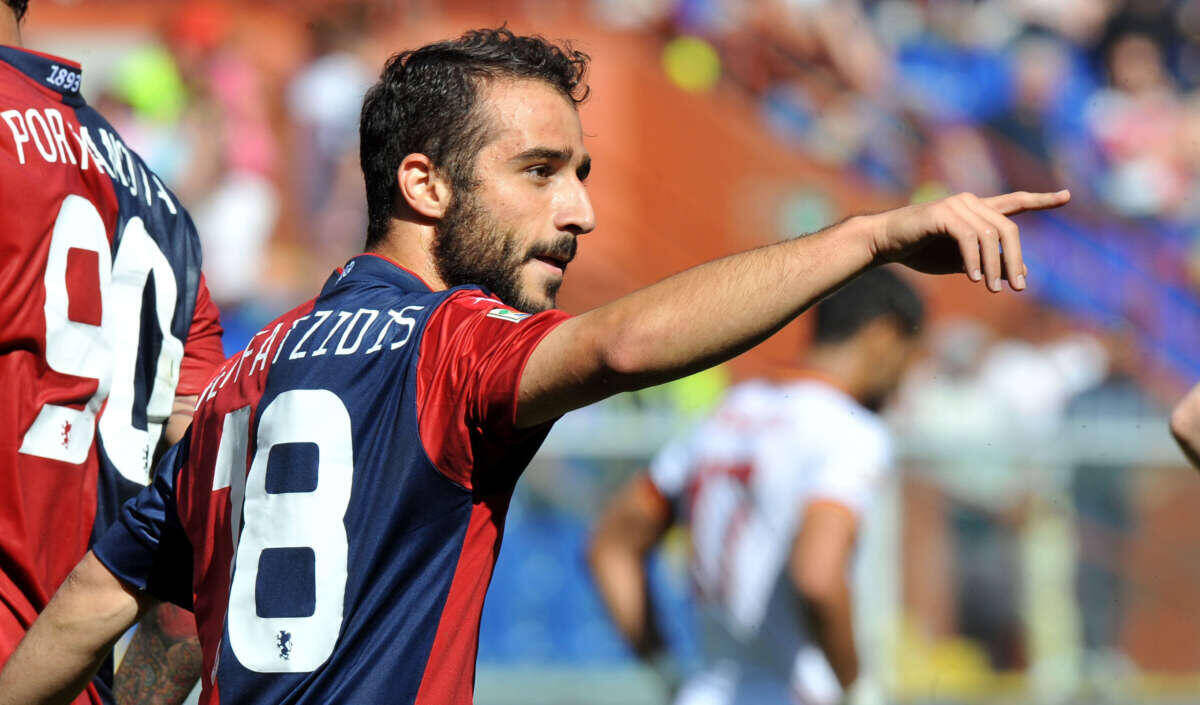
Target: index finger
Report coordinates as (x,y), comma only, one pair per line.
(1021,201)
(1010,242)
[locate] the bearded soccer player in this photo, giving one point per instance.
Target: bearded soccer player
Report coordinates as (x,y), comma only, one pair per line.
(773,486)
(337,507)
(107,334)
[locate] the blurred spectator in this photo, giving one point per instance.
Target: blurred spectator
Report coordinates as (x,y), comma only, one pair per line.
(1030,140)
(980,391)
(324,101)
(148,99)
(969,589)
(230,177)
(1136,122)
(1102,496)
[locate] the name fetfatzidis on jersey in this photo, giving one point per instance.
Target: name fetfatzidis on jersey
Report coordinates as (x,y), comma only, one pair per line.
(389,330)
(46,133)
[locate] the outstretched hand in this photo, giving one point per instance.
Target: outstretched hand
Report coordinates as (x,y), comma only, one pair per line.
(962,233)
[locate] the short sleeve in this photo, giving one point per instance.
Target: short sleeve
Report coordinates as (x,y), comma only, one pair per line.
(202,352)
(147,547)
(473,352)
(851,471)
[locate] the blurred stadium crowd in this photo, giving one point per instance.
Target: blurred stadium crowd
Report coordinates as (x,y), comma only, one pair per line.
(924,98)
(910,98)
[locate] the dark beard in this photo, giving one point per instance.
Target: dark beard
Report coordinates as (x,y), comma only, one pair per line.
(471,248)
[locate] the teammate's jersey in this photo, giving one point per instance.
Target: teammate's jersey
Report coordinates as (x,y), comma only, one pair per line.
(741,481)
(104,318)
(342,493)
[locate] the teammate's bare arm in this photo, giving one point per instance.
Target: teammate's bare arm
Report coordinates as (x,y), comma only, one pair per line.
(1185,425)
(634,521)
(713,312)
(71,638)
(820,561)
(180,418)
(162,663)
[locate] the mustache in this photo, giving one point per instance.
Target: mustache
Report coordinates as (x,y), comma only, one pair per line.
(563,249)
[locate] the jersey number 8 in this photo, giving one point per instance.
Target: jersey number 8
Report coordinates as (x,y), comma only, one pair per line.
(308,523)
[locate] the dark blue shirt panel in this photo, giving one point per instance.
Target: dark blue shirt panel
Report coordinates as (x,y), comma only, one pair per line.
(147,546)
(141,194)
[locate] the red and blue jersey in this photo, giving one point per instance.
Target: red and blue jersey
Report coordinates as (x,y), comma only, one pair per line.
(104,318)
(337,508)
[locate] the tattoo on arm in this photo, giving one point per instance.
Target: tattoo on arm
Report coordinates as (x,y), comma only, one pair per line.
(163,661)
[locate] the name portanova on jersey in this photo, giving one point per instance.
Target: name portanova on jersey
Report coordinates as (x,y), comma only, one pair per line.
(337,507)
(104,318)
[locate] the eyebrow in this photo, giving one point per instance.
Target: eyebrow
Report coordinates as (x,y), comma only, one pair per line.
(544,153)
(550,154)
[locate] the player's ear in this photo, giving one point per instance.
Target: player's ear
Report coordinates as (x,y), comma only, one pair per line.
(423,187)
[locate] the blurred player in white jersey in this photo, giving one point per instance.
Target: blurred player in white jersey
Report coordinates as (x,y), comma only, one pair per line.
(773,486)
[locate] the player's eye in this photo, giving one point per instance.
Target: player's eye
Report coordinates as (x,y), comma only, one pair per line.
(540,171)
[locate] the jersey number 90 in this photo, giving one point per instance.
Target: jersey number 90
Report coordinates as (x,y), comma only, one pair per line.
(105,350)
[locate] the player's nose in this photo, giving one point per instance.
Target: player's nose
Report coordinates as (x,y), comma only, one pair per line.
(576,213)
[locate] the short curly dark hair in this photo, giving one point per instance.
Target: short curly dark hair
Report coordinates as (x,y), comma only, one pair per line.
(425,102)
(878,293)
(18,7)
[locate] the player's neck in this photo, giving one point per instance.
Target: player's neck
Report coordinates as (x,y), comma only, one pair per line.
(10,29)
(411,246)
(838,367)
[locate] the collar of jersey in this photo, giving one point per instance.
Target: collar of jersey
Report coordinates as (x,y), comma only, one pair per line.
(379,267)
(785,376)
(41,69)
